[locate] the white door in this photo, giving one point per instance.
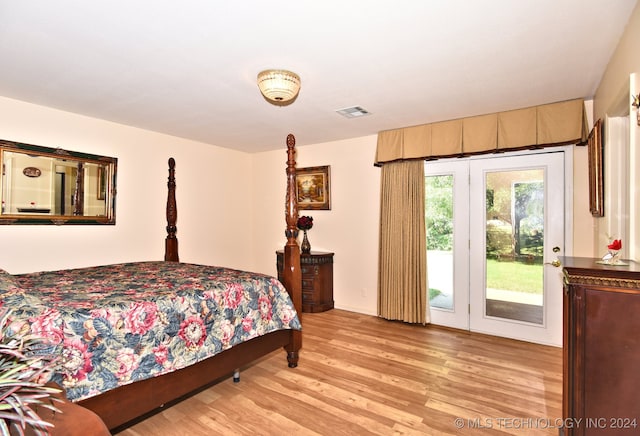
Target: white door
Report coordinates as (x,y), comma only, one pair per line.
(502,234)
(447,218)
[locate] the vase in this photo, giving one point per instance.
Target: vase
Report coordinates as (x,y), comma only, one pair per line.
(305,247)
(613,257)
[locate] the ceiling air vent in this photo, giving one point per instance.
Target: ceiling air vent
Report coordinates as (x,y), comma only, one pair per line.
(353,112)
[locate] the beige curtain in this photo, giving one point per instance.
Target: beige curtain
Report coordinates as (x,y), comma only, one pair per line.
(402,271)
(547,125)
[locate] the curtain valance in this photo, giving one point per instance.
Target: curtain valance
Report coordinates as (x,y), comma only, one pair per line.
(534,127)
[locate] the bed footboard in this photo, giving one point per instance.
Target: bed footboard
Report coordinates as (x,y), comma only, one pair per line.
(123,406)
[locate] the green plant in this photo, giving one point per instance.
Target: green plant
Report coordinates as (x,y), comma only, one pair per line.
(433,293)
(439,212)
(23,366)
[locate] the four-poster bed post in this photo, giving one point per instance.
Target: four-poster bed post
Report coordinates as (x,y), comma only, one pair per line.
(171,241)
(291,273)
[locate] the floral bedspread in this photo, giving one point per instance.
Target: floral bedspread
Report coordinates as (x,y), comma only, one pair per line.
(117,324)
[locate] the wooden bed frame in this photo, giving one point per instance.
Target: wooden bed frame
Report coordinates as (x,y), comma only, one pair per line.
(123,405)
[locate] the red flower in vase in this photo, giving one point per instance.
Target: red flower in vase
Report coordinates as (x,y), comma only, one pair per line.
(305,222)
(615,245)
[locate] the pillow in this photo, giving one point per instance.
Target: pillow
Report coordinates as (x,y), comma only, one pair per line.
(8,283)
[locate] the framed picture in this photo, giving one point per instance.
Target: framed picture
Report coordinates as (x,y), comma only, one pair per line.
(596,170)
(313,188)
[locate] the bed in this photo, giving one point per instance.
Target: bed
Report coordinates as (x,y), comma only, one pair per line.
(136,336)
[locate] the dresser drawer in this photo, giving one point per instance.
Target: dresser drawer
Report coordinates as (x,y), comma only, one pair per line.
(307,297)
(308,271)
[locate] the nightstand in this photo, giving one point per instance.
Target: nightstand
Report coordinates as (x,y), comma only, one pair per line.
(317,280)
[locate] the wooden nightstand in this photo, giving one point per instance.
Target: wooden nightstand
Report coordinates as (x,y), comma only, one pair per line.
(317,280)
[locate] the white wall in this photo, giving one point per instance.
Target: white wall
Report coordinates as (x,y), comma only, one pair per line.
(214,223)
(349,229)
(634,174)
(614,92)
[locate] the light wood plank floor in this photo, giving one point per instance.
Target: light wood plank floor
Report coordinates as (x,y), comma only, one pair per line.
(359,374)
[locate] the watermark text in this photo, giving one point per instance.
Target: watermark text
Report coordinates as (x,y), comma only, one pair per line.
(528,423)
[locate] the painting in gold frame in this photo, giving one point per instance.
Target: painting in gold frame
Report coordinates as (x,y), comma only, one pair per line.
(313,188)
(595,146)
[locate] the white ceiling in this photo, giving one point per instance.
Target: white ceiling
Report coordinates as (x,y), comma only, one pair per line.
(188,68)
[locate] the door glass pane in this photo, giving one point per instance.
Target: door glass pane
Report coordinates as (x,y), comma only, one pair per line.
(439,223)
(514,245)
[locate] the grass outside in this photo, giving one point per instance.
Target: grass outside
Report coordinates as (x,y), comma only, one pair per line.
(510,276)
(515,276)
(433,293)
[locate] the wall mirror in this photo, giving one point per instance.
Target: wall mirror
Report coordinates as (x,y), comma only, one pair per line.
(43,185)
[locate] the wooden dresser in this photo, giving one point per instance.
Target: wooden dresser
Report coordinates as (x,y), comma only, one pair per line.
(601,351)
(317,280)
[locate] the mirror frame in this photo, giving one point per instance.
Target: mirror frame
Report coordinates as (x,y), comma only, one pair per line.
(595,151)
(37,150)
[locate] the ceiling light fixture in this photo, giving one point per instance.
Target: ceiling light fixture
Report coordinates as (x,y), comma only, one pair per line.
(279,87)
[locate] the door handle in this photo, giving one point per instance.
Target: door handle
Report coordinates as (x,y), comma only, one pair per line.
(556,263)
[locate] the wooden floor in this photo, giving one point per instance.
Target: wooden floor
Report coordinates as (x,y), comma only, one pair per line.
(359,375)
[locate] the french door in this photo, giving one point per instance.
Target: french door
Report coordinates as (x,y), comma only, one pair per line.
(494,224)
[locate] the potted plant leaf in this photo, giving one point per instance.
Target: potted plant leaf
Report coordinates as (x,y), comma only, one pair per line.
(24,364)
